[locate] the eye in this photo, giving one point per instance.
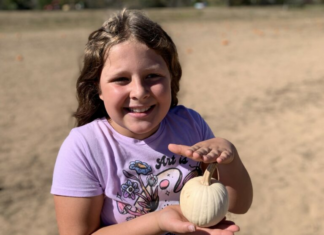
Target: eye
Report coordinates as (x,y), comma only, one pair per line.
(120,80)
(153,75)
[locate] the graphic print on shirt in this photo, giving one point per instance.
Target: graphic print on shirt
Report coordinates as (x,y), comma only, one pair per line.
(146,195)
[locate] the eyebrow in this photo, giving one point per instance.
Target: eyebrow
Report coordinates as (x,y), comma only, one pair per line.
(147,68)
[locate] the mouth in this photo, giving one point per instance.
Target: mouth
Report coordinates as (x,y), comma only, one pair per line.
(140,110)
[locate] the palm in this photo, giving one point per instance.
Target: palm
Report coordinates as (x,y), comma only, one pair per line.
(212,150)
(172,220)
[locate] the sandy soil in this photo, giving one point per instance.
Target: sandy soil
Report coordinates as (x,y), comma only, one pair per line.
(257,76)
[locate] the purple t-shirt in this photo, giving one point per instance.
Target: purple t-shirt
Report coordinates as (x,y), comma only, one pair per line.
(136,176)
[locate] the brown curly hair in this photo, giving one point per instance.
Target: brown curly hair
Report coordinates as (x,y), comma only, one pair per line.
(121,27)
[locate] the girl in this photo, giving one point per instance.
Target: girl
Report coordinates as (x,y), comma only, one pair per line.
(122,169)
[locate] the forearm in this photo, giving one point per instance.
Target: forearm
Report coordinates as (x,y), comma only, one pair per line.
(238,184)
(81,216)
(143,225)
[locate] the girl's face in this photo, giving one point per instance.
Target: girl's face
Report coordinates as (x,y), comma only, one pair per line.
(135,86)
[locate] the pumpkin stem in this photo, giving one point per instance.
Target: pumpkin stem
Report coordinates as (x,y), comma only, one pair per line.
(209,173)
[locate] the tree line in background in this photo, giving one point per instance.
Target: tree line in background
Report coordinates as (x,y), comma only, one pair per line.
(92,4)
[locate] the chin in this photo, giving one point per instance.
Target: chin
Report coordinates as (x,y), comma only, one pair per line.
(143,133)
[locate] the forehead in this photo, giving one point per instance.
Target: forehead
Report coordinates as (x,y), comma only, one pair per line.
(129,45)
(132,52)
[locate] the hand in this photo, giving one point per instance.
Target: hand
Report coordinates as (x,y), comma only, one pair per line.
(208,151)
(170,219)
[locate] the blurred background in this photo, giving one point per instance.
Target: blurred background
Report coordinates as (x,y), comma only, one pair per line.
(252,68)
(66,5)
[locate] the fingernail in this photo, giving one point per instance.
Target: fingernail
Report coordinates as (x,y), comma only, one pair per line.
(191,228)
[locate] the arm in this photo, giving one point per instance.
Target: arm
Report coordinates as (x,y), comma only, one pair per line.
(78,215)
(81,216)
(232,172)
(238,184)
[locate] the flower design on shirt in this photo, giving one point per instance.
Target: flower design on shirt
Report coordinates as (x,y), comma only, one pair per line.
(152,180)
(142,186)
(146,193)
(129,189)
(141,168)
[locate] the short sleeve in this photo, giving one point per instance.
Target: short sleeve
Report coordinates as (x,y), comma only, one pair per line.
(73,172)
(192,120)
(202,126)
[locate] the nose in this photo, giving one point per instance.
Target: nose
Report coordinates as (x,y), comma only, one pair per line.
(139,90)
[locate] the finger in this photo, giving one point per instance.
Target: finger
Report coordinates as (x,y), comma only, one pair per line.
(206,154)
(182,227)
(216,231)
(225,157)
(180,149)
(194,148)
(229,227)
(202,151)
(211,156)
(198,152)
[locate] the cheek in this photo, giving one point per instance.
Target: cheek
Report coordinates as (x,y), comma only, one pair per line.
(162,90)
(108,91)
(113,97)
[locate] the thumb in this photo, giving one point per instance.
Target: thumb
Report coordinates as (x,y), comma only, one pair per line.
(180,149)
(183,227)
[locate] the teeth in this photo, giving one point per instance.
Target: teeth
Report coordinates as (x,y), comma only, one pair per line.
(138,110)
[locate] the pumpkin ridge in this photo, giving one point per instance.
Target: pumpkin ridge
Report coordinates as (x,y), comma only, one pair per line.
(209,208)
(193,207)
(205,216)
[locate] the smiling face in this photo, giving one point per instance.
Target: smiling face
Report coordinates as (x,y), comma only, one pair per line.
(135,86)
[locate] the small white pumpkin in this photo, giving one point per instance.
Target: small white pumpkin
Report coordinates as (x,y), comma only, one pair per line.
(204,200)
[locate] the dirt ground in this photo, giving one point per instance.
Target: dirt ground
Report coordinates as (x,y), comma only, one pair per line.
(255,75)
